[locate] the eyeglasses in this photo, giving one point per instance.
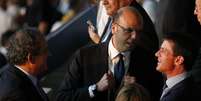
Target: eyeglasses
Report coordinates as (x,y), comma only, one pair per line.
(127,30)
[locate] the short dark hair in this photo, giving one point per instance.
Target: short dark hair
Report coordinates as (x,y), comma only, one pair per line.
(25,41)
(132,9)
(6,36)
(184,45)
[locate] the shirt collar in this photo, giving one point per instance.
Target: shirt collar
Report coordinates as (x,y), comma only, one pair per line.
(176,79)
(113,52)
(3,50)
(31,77)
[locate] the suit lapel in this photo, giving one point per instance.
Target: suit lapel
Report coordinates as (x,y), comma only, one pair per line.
(103,54)
(179,86)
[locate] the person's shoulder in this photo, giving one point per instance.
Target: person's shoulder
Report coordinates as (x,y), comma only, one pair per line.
(8,77)
(186,90)
(93,47)
(8,82)
(185,87)
(89,46)
(2,60)
(91,51)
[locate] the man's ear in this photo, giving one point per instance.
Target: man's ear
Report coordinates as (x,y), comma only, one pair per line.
(31,59)
(179,60)
(113,28)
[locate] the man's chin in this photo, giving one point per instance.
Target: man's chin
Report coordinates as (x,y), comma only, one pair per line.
(130,46)
(158,68)
(109,13)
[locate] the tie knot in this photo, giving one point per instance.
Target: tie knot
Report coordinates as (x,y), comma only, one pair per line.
(120,55)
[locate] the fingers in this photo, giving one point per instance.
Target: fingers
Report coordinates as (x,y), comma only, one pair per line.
(129,80)
(103,84)
(94,36)
(110,78)
(109,72)
(91,32)
(90,29)
(109,75)
(106,82)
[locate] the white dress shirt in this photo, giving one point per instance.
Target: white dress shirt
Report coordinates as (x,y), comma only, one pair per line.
(113,57)
(176,79)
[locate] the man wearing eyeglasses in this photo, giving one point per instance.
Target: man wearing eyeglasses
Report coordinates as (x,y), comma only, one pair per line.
(96,72)
(148,39)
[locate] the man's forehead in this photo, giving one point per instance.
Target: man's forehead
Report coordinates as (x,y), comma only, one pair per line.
(167,43)
(130,18)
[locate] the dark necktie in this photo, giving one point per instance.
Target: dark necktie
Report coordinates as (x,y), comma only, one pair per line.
(165,91)
(119,70)
(106,31)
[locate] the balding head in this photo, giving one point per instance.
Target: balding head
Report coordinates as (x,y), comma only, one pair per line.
(126,26)
(127,13)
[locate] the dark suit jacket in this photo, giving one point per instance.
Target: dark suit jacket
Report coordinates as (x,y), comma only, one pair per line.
(89,65)
(2,60)
(186,90)
(16,86)
(196,69)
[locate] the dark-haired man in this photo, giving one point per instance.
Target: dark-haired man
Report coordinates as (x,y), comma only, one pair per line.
(175,59)
(27,55)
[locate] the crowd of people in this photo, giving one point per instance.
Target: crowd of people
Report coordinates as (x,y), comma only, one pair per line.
(135,55)
(41,14)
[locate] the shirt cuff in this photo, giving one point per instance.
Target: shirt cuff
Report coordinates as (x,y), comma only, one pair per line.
(91,90)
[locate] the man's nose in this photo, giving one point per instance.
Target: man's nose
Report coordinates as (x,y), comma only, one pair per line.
(133,35)
(157,53)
